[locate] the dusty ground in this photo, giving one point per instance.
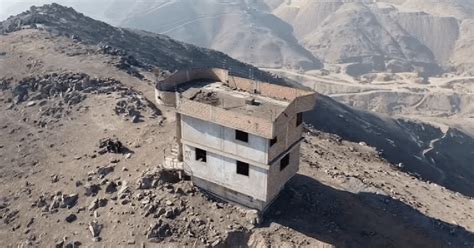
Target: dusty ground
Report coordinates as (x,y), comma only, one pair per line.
(55,185)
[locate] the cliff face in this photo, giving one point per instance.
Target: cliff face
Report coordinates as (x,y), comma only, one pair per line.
(439,34)
(464,46)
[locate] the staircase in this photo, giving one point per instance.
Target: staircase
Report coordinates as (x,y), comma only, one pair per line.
(171,161)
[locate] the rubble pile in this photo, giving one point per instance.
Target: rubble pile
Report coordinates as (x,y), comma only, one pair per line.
(206,97)
(51,203)
(68,86)
(57,94)
(109,145)
(131,106)
(172,210)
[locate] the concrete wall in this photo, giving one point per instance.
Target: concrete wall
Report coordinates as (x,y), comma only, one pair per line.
(276,178)
(229,194)
(254,125)
(223,171)
(223,139)
(165,89)
(307,98)
(286,131)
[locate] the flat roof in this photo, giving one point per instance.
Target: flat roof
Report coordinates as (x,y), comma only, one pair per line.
(222,96)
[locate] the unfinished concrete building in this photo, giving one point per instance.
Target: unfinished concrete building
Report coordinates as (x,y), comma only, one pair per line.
(238,138)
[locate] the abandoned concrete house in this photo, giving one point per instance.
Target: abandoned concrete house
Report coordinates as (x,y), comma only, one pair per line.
(237,138)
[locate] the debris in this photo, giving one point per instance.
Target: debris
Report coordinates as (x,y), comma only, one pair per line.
(95,228)
(206,97)
(111,187)
(97,203)
(109,145)
(71,218)
(54,178)
(104,171)
(91,189)
(159,231)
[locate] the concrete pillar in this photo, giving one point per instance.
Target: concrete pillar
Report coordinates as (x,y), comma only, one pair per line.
(178,137)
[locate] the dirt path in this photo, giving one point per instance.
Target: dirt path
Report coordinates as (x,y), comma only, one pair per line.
(433,164)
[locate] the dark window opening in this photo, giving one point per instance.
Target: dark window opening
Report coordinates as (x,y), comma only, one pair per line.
(242,168)
(201,155)
(273,141)
(284,162)
(242,136)
(299,119)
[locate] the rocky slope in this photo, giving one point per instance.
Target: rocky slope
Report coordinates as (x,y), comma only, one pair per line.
(417,148)
(150,50)
(66,99)
(234,27)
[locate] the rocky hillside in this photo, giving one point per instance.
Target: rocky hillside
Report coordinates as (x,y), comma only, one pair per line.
(138,49)
(425,151)
(82,144)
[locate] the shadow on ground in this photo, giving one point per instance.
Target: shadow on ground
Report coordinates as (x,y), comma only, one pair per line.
(345,219)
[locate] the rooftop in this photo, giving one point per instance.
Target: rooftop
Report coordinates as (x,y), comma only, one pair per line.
(212,94)
(222,96)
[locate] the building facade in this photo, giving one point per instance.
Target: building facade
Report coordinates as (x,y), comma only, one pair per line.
(238,139)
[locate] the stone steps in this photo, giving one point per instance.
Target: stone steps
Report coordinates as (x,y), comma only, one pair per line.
(171,160)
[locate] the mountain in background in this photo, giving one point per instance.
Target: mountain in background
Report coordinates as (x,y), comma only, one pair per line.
(389,35)
(237,28)
(395,36)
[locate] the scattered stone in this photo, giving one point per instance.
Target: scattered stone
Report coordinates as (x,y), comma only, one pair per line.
(159,231)
(109,145)
(147,181)
(70,200)
(59,201)
(95,228)
(91,189)
(216,242)
(74,244)
(3,203)
(54,178)
(97,203)
(30,222)
(111,188)
(71,218)
(104,171)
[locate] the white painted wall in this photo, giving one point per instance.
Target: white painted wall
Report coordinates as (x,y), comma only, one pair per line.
(223,171)
(223,139)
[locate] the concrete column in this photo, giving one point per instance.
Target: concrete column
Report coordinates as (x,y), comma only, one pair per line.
(178,137)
